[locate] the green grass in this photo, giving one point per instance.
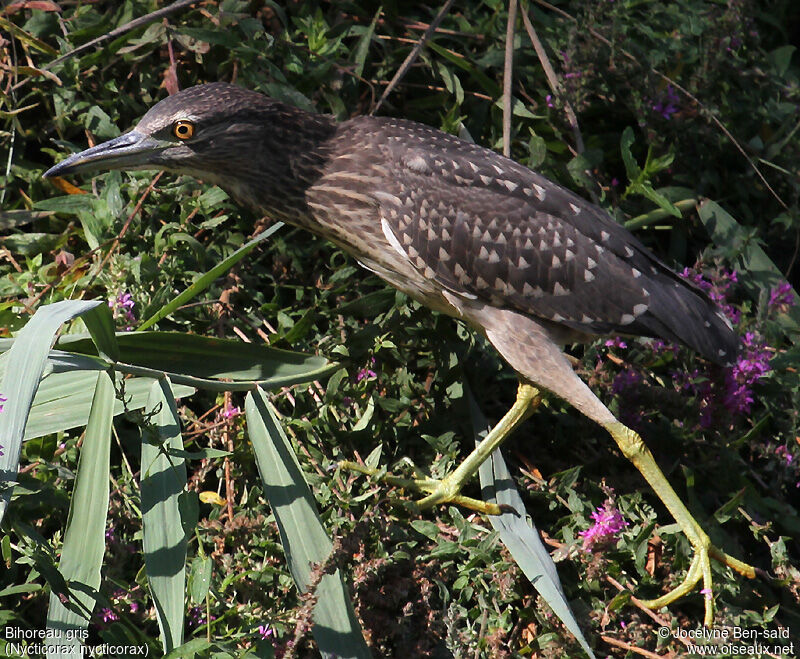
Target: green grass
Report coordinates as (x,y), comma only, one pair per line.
(440,583)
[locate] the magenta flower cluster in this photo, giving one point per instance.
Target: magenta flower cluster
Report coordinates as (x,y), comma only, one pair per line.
(753,362)
(667,104)
(197,616)
(608,522)
(781,298)
(750,366)
(717,290)
(121,600)
(231,412)
(122,307)
(367,372)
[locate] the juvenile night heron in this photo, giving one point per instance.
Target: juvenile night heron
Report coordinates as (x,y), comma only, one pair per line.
(457,227)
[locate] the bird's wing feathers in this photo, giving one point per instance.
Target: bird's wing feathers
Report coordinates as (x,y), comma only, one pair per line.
(485,226)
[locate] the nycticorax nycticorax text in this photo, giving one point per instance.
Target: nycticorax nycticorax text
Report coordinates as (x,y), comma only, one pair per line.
(457,227)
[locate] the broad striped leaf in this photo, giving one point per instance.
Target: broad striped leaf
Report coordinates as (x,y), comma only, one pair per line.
(63,400)
(163,483)
(518,532)
(84,539)
(209,359)
(303,537)
(24,366)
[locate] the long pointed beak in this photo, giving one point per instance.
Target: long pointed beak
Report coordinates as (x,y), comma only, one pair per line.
(133,150)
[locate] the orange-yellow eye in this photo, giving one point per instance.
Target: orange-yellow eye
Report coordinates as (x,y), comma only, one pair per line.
(183,130)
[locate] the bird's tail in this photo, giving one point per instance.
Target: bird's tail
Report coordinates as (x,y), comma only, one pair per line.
(679,311)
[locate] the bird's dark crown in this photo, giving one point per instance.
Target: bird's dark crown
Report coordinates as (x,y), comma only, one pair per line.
(207,105)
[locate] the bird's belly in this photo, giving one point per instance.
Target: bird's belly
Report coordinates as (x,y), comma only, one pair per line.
(411,282)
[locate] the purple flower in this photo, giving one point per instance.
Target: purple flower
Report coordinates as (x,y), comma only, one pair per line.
(608,522)
(3,399)
(367,372)
(122,306)
(666,106)
(265,631)
(717,289)
(197,617)
(750,366)
(781,298)
(549,100)
(1,451)
(616,342)
(108,615)
(783,452)
(231,412)
(735,43)
(625,380)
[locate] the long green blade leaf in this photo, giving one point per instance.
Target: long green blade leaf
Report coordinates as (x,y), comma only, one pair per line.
(64,400)
(163,485)
(177,354)
(24,367)
(207,279)
(304,540)
(84,539)
(518,535)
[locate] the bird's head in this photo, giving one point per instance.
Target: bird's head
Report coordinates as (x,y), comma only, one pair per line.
(205,131)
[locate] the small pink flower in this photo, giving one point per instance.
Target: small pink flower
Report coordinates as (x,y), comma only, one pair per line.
(122,306)
(783,452)
(366,372)
(108,615)
(265,631)
(608,522)
(781,298)
(231,412)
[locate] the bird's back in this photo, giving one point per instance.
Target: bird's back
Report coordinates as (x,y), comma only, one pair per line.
(484,227)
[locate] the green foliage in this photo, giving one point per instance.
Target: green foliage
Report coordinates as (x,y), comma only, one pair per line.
(437,584)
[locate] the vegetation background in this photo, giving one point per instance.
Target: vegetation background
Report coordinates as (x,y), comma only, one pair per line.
(709,92)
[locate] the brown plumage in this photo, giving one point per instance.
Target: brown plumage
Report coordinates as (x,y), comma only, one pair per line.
(456,226)
(461,229)
(465,219)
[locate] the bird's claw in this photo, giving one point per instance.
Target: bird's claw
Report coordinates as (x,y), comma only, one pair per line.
(700,569)
(447,490)
(437,491)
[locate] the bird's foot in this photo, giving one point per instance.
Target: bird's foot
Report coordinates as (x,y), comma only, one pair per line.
(700,570)
(446,490)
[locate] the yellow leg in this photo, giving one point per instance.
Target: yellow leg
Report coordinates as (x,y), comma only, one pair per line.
(632,446)
(447,489)
(630,443)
